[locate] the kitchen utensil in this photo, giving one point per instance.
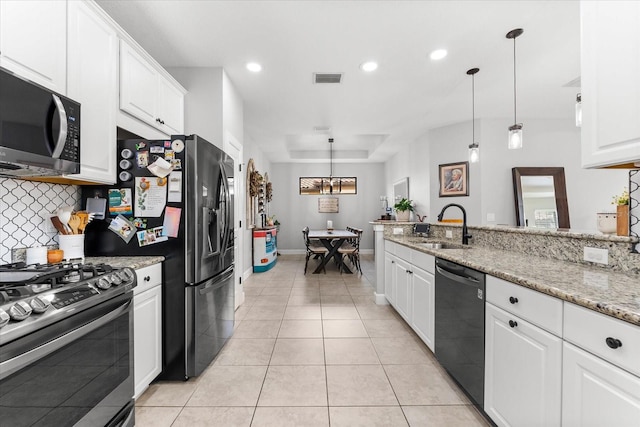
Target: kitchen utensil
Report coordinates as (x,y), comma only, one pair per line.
(58,225)
(84,220)
(74,222)
(64,213)
(54,255)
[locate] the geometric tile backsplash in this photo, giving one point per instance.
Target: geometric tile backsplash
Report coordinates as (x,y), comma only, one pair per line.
(25,209)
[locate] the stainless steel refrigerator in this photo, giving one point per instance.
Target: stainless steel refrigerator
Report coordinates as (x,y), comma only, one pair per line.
(193,231)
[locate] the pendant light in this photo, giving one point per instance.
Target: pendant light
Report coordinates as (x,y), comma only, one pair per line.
(474,148)
(515,130)
(579,110)
(331,165)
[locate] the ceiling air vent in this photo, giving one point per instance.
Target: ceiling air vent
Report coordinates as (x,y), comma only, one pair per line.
(327,77)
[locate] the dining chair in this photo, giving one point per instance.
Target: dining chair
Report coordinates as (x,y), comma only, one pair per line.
(351,249)
(313,248)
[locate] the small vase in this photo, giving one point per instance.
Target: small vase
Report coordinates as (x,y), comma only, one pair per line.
(403,216)
(623,220)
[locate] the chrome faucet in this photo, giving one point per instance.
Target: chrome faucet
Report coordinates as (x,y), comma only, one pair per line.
(465,233)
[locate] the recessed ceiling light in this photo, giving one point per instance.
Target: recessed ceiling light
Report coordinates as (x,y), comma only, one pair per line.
(438,54)
(254,67)
(369,66)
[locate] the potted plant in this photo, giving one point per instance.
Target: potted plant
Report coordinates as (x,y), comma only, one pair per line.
(403,209)
(622,206)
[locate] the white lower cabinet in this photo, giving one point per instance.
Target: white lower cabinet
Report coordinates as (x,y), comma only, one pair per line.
(423,306)
(403,289)
(409,287)
(147,332)
(389,279)
(522,371)
(597,393)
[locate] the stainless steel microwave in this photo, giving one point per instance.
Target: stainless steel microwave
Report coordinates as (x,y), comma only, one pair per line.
(39,130)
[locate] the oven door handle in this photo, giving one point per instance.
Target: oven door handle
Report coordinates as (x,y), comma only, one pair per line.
(10,366)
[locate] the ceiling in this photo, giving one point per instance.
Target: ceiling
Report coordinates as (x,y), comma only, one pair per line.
(374,115)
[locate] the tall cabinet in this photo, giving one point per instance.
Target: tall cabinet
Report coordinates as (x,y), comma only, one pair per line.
(610,55)
(92,81)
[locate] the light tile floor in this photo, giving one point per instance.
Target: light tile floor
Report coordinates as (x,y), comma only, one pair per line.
(314,350)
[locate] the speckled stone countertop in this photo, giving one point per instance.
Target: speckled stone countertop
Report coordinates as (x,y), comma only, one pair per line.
(134,262)
(613,293)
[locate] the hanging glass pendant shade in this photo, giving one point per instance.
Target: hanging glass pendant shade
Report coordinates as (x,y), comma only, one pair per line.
(515,130)
(579,110)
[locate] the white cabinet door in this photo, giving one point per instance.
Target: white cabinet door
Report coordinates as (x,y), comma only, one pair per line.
(403,289)
(170,107)
(389,278)
(596,393)
(147,314)
(610,86)
(423,305)
(522,372)
(138,85)
(92,71)
(33,41)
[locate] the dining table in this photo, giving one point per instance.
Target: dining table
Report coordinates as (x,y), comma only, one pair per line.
(332,240)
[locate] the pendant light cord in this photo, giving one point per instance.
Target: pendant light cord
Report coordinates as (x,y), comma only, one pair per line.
(473,108)
(515,116)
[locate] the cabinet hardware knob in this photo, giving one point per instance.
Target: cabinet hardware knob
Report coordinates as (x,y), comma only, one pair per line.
(147,278)
(393,262)
(513,323)
(613,342)
(513,300)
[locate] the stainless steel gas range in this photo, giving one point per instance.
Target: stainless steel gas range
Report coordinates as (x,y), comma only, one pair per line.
(66,345)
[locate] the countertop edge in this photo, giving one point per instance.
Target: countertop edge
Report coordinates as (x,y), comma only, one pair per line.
(135,262)
(609,309)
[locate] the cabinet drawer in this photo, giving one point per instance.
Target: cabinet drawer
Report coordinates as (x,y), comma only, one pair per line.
(591,331)
(403,252)
(148,277)
(540,309)
(424,261)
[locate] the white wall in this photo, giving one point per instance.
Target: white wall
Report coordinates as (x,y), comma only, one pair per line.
(203,109)
(546,143)
(295,211)
(412,162)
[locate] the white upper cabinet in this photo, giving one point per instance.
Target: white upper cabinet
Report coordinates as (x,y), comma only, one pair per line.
(33,41)
(92,81)
(170,107)
(610,84)
(147,94)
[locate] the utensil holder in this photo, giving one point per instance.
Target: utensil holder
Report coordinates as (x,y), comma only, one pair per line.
(72,245)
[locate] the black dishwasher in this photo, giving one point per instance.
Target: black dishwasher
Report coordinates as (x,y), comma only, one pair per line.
(459,325)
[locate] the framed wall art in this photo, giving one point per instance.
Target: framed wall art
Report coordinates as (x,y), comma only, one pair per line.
(454,179)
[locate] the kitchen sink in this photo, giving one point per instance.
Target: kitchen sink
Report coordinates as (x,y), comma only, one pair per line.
(443,245)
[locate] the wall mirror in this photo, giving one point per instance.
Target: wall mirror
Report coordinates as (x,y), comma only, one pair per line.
(401,190)
(322,185)
(540,197)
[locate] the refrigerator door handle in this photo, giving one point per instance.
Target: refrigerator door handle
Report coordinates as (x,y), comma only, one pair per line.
(226,207)
(221,281)
(209,216)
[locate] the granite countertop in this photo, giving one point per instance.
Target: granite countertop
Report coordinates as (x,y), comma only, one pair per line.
(134,262)
(609,292)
